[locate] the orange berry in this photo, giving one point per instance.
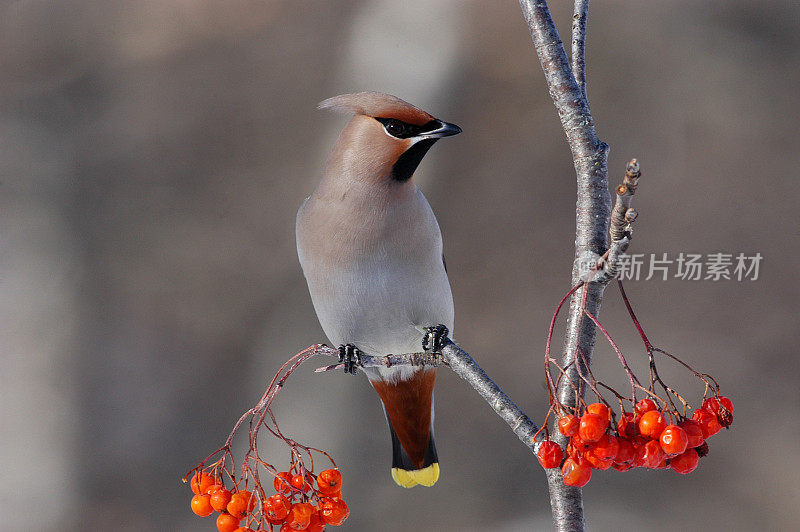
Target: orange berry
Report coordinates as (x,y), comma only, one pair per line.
(244,529)
(238,505)
(652,424)
(282,483)
(299,516)
(220,499)
(201,482)
(249,497)
(334,495)
(277,507)
(316,524)
(329,481)
(201,505)
(300,483)
(241,503)
(334,512)
(227,523)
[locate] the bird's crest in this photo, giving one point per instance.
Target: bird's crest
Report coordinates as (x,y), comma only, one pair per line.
(377,104)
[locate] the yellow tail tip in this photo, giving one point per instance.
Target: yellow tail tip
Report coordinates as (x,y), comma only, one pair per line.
(408,479)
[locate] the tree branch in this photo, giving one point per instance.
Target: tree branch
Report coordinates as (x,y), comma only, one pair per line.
(573,110)
(592,219)
(465,367)
(579,16)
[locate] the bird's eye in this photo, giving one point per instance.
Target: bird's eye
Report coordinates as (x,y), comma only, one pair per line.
(395,128)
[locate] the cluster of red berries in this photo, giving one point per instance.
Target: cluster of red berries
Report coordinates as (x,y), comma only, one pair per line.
(644,438)
(290,508)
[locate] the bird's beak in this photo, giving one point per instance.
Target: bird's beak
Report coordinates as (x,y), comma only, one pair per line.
(444,130)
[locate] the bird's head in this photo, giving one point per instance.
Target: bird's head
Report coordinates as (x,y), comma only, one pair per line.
(387,137)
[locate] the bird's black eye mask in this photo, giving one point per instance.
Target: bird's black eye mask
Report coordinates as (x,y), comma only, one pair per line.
(401,130)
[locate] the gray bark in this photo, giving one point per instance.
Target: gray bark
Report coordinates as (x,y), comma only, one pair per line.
(592,213)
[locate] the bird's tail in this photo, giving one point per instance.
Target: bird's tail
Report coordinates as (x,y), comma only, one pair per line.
(409,410)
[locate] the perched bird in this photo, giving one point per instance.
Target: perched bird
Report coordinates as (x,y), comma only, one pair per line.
(371,251)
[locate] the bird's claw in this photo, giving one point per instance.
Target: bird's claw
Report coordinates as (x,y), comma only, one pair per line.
(350,356)
(434,339)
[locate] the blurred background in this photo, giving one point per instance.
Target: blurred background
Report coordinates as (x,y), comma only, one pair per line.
(153,155)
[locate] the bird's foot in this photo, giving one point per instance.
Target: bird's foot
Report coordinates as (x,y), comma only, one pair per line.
(435,338)
(350,356)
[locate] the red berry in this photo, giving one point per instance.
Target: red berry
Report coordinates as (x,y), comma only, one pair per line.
(652,424)
(329,481)
(626,452)
(281,483)
(674,440)
(227,523)
(201,505)
(220,499)
(712,404)
(549,454)
(300,515)
(650,454)
(685,463)
(722,407)
(645,405)
(244,529)
(592,427)
(576,473)
(694,431)
(316,524)
(626,426)
(708,422)
(334,511)
(607,447)
(201,482)
(599,409)
(300,483)
(579,445)
(596,462)
(277,507)
(568,425)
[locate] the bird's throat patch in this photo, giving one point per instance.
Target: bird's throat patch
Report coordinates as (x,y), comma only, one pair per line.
(407,163)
